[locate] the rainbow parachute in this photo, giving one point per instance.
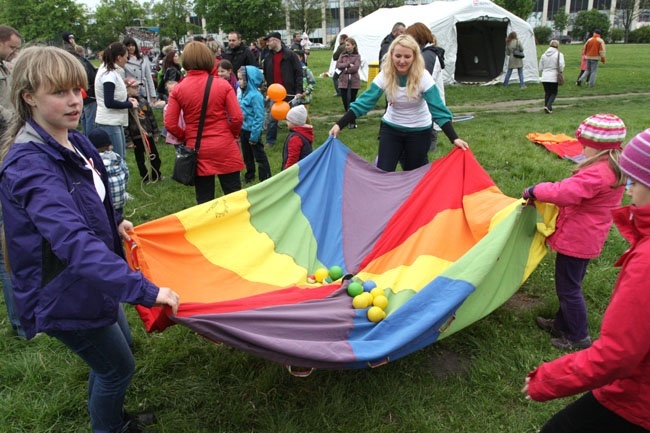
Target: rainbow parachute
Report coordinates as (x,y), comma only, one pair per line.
(442,241)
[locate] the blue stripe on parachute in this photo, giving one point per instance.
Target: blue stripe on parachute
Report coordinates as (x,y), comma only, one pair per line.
(323,173)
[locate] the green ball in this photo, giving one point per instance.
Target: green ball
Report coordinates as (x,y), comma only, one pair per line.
(335,272)
(355,289)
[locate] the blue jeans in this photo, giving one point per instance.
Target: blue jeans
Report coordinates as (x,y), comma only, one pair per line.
(571,318)
(88,117)
(107,353)
(8,292)
(520,71)
(591,71)
(116,134)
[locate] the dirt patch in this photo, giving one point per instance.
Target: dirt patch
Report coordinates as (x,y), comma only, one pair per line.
(445,362)
(521,302)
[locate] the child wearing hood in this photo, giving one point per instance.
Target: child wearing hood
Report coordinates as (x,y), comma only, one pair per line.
(301,136)
(251,102)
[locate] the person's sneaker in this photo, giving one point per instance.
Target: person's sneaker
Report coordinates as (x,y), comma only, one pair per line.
(547,110)
(548,325)
(578,83)
(563,343)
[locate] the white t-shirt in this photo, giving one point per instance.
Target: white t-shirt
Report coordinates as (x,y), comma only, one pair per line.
(111,116)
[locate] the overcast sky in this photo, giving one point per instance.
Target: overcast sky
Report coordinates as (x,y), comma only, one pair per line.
(91,4)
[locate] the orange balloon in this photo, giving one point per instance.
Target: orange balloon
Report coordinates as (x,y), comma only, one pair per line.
(279,110)
(276,92)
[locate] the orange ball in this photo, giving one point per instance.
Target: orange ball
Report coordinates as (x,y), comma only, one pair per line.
(279,110)
(276,92)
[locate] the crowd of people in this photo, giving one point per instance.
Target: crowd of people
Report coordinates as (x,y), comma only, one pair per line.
(60,241)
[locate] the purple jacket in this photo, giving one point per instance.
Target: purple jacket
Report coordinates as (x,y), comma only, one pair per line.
(586,200)
(66,257)
(349,65)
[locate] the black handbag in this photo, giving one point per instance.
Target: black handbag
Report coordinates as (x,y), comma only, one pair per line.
(186,158)
(518,53)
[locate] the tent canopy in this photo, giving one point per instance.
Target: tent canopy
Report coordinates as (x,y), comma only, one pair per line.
(472,32)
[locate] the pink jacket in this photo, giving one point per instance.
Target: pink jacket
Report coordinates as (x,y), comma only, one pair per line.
(586,200)
(617,366)
(219,152)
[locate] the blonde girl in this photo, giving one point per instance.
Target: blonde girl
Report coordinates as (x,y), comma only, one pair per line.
(413,101)
(63,237)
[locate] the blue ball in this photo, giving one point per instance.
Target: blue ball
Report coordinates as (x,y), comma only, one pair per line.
(369,285)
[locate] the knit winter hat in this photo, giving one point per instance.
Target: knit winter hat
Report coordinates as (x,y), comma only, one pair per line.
(297,115)
(635,159)
(602,131)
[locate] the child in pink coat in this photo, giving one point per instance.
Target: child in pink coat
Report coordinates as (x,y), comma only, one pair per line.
(616,368)
(585,200)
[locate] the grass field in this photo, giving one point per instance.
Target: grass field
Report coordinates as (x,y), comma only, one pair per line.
(469,382)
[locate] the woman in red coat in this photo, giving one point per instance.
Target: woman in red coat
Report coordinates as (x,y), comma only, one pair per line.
(219,152)
(616,368)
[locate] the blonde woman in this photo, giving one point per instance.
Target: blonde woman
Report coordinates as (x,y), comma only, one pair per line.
(413,101)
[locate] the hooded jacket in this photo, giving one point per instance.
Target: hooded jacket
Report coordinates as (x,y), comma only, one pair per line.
(297,145)
(251,102)
(65,252)
(548,65)
(617,366)
(586,200)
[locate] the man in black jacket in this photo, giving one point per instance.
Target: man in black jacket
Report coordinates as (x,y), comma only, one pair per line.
(398,29)
(238,53)
(281,65)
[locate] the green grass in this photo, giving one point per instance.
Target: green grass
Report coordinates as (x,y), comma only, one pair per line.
(469,382)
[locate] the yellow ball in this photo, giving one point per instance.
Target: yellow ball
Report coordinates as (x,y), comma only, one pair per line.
(321,274)
(377,292)
(380,301)
(360,302)
(376,314)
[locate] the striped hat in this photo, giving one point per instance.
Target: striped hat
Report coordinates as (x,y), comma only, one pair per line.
(602,131)
(635,159)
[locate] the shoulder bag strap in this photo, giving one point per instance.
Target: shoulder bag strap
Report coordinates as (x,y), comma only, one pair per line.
(204,108)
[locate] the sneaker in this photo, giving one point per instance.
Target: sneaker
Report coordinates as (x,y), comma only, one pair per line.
(548,325)
(563,343)
(352,126)
(578,83)
(547,110)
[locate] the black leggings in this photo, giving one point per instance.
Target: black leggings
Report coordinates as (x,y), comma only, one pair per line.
(586,415)
(204,186)
(408,147)
(550,93)
(347,100)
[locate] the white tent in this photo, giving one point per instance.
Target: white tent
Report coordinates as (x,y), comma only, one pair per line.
(472,32)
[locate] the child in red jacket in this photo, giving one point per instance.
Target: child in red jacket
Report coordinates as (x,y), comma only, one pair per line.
(616,367)
(585,200)
(301,136)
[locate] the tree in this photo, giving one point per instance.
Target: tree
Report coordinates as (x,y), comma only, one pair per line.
(367,7)
(251,18)
(305,15)
(587,21)
(560,21)
(112,17)
(171,17)
(629,13)
(43,20)
(521,8)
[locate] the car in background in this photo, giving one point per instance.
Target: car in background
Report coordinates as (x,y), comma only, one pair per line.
(565,39)
(318,46)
